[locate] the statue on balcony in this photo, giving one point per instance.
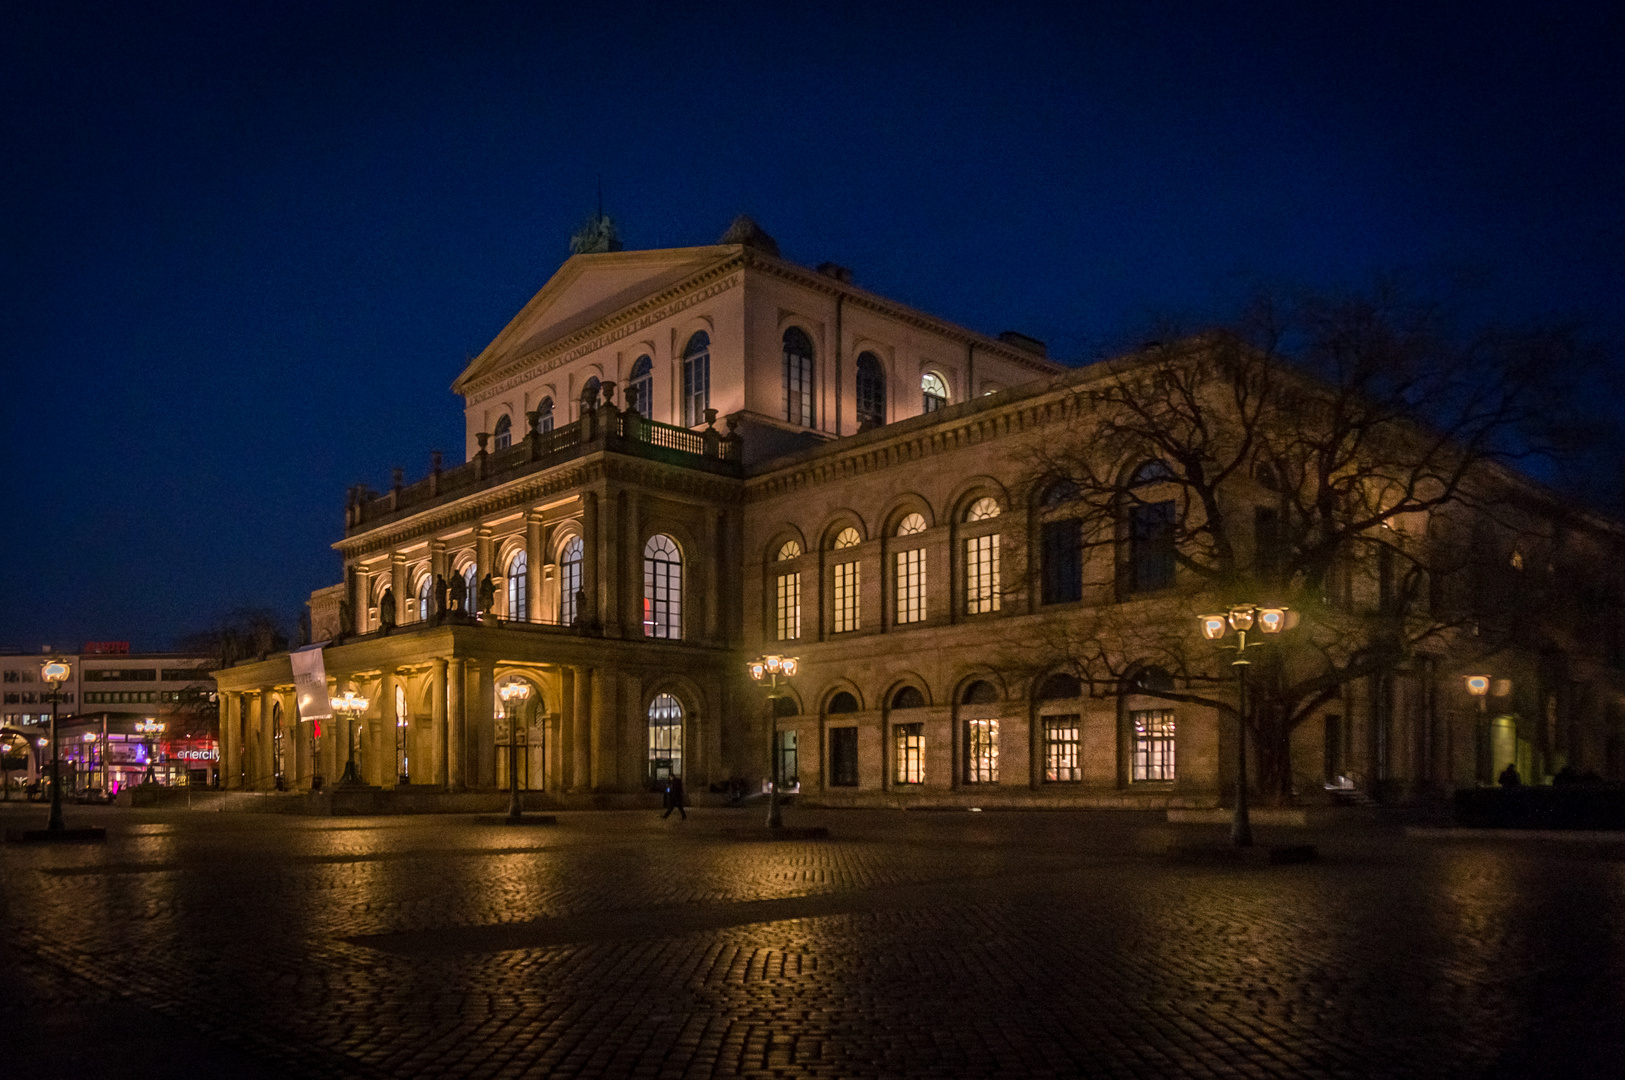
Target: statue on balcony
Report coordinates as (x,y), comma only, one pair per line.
(488,594)
(459,594)
(386,611)
(440,591)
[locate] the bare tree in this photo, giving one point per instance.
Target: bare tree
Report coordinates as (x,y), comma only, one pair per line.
(1350,458)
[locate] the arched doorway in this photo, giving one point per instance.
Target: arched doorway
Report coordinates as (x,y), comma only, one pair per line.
(665,739)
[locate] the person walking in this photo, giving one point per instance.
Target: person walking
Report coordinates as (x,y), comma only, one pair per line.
(674,798)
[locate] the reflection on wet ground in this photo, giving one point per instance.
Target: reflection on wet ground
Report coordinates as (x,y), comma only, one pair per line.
(907,945)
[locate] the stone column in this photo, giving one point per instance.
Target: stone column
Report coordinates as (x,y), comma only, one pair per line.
(267,755)
(581,735)
(456,726)
(228,743)
(437,720)
(589,557)
(482,554)
(630,566)
(389,769)
(482,728)
(535,556)
(604,757)
(563,769)
(402,587)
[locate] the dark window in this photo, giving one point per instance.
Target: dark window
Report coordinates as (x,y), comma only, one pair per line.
(640,387)
(184,674)
(544,416)
(1151,546)
(980,692)
(843,757)
(1151,472)
(842,702)
(1061,491)
(787,760)
(908,698)
(798,377)
(1062,560)
(124,675)
(502,434)
(589,393)
(1387,600)
(1059,687)
(871,392)
(696,379)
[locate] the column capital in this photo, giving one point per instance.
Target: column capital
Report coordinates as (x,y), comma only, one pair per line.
(437,546)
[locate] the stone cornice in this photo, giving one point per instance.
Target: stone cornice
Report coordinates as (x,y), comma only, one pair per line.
(575,475)
(624,323)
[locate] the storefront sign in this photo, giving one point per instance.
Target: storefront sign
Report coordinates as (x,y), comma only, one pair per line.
(310,683)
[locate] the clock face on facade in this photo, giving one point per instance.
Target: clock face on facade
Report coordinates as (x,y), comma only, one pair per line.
(54,672)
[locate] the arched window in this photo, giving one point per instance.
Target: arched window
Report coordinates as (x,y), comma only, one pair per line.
(570,581)
(934,390)
(502,434)
(278,759)
(984,509)
(471,584)
(1059,687)
(1151,472)
(842,702)
(544,416)
(790,550)
(696,379)
(913,523)
(662,588)
(847,537)
(640,386)
(980,692)
(1058,493)
(909,574)
(908,697)
(665,738)
(871,392)
(798,377)
(425,598)
(589,393)
(518,586)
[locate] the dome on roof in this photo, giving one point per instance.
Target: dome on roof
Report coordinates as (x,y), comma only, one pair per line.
(744,230)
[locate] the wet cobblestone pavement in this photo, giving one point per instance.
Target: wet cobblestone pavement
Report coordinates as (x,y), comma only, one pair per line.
(617,944)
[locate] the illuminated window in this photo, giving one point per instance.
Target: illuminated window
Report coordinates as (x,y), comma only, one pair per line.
(665,738)
(696,378)
(789,606)
(871,392)
(278,762)
(471,599)
(425,598)
(640,386)
(846,597)
(790,550)
(518,587)
(910,742)
(847,537)
(570,581)
(982,574)
(911,586)
(981,751)
(934,391)
(798,377)
(403,766)
(910,525)
(502,434)
(983,509)
(662,588)
(1062,762)
(544,416)
(1153,756)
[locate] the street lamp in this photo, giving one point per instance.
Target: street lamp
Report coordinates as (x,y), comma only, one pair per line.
(1241,619)
(56,673)
(771,668)
(149,728)
(1479,687)
(349,706)
(513,695)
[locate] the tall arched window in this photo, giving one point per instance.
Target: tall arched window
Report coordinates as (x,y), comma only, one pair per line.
(425,598)
(278,758)
(662,588)
(871,392)
(402,727)
(502,434)
(934,390)
(518,587)
(696,378)
(471,582)
(640,386)
(798,377)
(665,738)
(589,393)
(570,581)
(544,415)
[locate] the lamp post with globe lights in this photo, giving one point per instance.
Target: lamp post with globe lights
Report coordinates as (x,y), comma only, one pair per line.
(514,695)
(770,668)
(350,706)
(56,673)
(1241,620)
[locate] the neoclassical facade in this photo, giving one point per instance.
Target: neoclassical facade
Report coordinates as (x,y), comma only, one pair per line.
(680,459)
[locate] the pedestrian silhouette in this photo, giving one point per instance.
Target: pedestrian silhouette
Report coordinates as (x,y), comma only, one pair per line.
(1509,776)
(674,798)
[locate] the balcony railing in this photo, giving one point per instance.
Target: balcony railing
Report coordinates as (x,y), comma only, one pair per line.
(601,428)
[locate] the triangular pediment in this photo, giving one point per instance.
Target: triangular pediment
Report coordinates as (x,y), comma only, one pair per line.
(586,289)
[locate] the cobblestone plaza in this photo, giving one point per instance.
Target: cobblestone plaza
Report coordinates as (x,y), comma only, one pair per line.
(909,944)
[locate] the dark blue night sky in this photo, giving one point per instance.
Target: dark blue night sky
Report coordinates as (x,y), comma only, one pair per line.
(246,252)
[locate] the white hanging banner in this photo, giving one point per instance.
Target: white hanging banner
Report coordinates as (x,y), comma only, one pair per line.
(310,683)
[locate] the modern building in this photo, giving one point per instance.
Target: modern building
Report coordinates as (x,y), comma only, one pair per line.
(117,712)
(679,459)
